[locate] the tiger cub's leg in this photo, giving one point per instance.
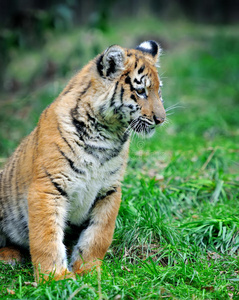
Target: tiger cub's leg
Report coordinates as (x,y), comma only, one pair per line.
(47,211)
(11,255)
(97,237)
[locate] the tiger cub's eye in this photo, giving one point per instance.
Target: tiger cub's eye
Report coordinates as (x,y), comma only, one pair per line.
(141,91)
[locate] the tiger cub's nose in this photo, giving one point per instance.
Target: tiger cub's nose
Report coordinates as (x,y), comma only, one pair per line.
(158,120)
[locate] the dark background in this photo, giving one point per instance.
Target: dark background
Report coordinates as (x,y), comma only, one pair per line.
(23,23)
(17,13)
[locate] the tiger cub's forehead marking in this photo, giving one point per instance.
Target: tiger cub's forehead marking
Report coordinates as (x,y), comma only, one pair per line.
(142,77)
(144,73)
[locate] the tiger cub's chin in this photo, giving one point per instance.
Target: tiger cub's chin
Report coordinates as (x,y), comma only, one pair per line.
(150,132)
(65,176)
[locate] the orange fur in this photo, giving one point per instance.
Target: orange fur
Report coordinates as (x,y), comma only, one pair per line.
(11,255)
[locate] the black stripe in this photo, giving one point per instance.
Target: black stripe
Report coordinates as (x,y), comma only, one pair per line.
(14,186)
(115,171)
(70,86)
(64,139)
(4,201)
(92,151)
(129,53)
(111,153)
(112,68)
(117,111)
(133,97)
(71,163)
(95,147)
(103,154)
(11,177)
(17,183)
(97,125)
(86,224)
(66,92)
(128,81)
(56,185)
(125,74)
(77,142)
(113,97)
(125,137)
(49,193)
(101,197)
(141,69)
(65,176)
(85,90)
(99,65)
(8,180)
(102,109)
(79,125)
(121,94)
(90,118)
(137,81)
(142,77)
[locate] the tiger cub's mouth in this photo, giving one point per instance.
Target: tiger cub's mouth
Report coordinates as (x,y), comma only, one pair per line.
(143,126)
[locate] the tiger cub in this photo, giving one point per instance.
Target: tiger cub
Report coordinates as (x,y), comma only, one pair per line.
(67,172)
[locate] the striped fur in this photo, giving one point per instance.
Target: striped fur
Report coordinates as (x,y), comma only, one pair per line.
(67,172)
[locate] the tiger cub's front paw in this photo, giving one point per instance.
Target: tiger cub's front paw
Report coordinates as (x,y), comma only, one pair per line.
(65,274)
(81,268)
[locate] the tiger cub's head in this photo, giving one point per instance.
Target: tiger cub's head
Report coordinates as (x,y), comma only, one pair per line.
(131,87)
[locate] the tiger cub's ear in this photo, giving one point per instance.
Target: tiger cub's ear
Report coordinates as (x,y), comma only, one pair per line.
(112,61)
(152,48)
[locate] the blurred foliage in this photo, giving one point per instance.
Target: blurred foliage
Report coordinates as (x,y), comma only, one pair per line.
(31,30)
(27,26)
(200,65)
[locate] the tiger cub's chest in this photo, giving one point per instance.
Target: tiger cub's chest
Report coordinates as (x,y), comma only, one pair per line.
(94,181)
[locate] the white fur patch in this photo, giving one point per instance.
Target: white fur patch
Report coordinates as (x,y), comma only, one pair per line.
(84,188)
(146,45)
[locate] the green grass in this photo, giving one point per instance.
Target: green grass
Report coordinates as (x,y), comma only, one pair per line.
(177,233)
